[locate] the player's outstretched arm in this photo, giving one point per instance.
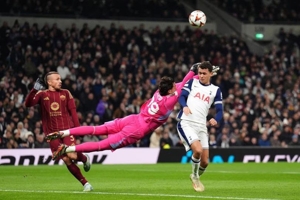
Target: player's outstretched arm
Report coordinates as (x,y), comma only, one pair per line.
(187,77)
(34,95)
(39,84)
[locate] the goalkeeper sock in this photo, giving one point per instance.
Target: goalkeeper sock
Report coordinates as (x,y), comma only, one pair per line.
(65,133)
(70,149)
(195,166)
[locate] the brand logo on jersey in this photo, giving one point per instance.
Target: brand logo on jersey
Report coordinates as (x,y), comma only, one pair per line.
(203,97)
(210,92)
(46,99)
(54,106)
(62,97)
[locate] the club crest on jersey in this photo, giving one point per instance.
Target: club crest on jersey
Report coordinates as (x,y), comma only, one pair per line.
(203,97)
(54,106)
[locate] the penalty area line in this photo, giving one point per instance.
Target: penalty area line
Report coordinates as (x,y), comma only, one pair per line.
(132,194)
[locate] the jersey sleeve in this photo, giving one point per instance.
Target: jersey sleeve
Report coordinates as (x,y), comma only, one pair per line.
(72,108)
(219,106)
(185,93)
(33,98)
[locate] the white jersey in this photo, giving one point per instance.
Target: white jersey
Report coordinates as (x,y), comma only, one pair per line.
(199,100)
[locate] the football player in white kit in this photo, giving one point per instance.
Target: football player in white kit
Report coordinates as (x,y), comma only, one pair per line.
(196,98)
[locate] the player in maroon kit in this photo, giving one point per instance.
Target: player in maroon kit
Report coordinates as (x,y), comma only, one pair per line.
(58,112)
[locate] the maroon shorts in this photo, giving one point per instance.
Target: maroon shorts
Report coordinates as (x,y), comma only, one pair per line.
(68,140)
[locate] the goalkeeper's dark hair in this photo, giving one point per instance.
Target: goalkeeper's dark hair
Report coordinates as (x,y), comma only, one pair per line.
(206,65)
(165,84)
(48,74)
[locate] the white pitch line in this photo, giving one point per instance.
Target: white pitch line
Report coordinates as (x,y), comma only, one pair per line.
(135,194)
(218,171)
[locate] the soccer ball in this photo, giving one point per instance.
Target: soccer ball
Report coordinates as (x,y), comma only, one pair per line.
(197,18)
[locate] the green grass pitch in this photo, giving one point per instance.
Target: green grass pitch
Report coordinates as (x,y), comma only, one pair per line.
(268,181)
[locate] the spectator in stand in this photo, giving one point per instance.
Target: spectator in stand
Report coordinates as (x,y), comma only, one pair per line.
(90,138)
(274,140)
(165,141)
(263,140)
(295,141)
(23,131)
(40,142)
(155,138)
(17,137)
(254,142)
(6,139)
(30,141)
(212,141)
(63,70)
(12,144)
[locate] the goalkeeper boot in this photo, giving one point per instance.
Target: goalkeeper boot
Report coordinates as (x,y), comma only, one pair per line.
(87,187)
(197,185)
(53,136)
(87,164)
(60,151)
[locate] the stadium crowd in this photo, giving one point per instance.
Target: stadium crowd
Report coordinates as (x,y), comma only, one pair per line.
(262,11)
(97,9)
(112,71)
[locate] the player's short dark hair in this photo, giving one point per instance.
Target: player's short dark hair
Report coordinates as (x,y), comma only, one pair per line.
(206,65)
(48,74)
(165,84)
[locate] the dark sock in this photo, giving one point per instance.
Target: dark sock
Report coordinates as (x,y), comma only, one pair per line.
(81,157)
(201,170)
(77,173)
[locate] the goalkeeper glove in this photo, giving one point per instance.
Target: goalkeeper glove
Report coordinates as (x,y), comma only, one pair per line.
(195,67)
(215,70)
(39,84)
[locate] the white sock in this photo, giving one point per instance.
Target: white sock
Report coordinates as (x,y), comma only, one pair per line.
(195,166)
(65,133)
(70,149)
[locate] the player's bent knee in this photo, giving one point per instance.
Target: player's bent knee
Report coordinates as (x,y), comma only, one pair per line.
(197,153)
(72,156)
(67,160)
(197,149)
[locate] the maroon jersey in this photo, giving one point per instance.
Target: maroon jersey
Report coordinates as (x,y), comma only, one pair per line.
(58,110)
